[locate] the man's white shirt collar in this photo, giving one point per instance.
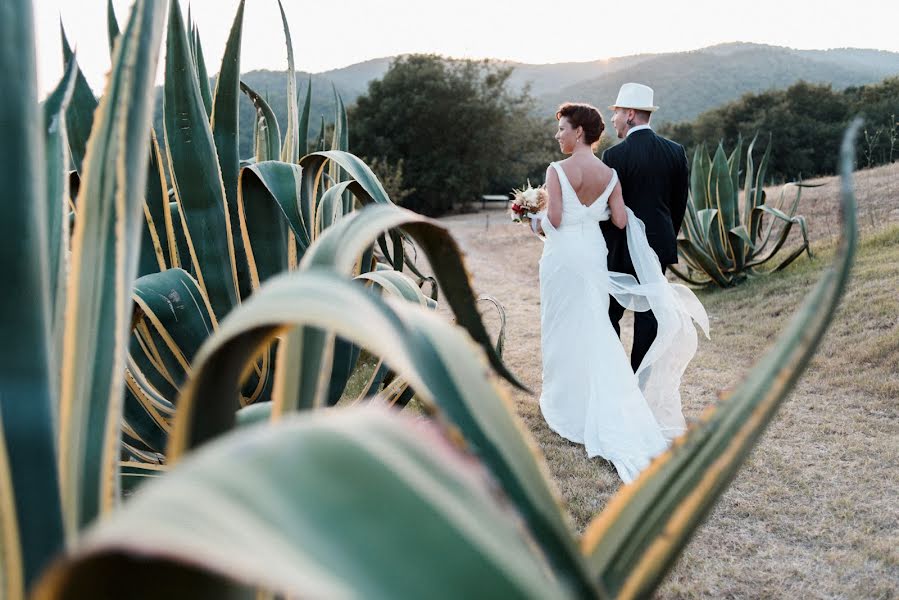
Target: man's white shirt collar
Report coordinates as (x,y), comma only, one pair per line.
(637,128)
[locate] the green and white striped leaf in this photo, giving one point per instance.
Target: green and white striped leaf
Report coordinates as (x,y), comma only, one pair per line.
(290,151)
(225,132)
(305,142)
(435,357)
(112,27)
(158,236)
(195,174)
(267,138)
(80,113)
(200,66)
(56,164)
(267,212)
(341,245)
(104,265)
(359,504)
(31,529)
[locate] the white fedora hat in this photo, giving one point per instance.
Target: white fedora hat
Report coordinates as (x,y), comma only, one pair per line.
(636,96)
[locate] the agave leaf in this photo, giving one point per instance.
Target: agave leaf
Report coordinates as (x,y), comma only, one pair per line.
(733,164)
(180,251)
(436,358)
(690,225)
(303,130)
(158,239)
(783,234)
(225,133)
(344,357)
(173,321)
(705,221)
(724,194)
(793,256)
(80,113)
(339,140)
(748,190)
(290,152)
(699,178)
(135,474)
(687,278)
(698,257)
(145,426)
(56,168)
(172,302)
(103,269)
(400,490)
(264,224)
(195,174)
(743,235)
(330,207)
(301,212)
(112,27)
(760,176)
(152,361)
(501,336)
(399,285)
(488,425)
(281,182)
(201,72)
(719,247)
(341,245)
(268,135)
(635,541)
(321,146)
(254,413)
(31,530)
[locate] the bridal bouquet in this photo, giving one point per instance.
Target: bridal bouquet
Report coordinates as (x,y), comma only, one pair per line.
(527,201)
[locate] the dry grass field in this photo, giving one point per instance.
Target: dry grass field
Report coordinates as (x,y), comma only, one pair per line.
(814,513)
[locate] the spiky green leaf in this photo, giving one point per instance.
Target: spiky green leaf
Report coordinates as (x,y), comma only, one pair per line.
(274,515)
(195,174)
(31,530)
(104,265)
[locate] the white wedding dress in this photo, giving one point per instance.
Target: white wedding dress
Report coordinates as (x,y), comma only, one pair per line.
(590,394)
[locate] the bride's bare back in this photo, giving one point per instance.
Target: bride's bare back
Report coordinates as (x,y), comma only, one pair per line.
(589,177)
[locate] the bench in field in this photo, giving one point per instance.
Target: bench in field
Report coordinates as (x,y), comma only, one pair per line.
(493,198)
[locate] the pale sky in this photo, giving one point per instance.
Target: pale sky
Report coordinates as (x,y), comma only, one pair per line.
(336,33)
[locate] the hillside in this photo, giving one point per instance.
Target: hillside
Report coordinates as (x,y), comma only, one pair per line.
(686,83)
(689,83)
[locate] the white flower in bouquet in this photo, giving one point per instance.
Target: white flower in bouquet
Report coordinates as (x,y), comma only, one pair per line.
(527,201)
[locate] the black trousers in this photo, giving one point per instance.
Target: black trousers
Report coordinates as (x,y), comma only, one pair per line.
(645,329)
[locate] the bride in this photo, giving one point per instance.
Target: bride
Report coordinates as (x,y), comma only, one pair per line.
(591,395)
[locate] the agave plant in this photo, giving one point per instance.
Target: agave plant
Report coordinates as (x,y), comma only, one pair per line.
(346,502)
(216,227)
(722,244)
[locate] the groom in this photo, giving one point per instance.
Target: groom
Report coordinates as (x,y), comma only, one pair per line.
(653,175)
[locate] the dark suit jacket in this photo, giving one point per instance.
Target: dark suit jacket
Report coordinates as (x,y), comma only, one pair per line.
(653,175)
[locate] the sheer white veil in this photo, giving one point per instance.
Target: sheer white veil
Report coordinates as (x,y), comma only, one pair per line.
(675,307)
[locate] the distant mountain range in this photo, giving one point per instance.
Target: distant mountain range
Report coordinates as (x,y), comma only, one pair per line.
(685,83)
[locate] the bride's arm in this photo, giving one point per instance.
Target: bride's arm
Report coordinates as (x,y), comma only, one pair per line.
(554,204)
(616,207)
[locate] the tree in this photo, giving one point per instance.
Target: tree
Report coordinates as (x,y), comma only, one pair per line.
(457,128)
(804,122)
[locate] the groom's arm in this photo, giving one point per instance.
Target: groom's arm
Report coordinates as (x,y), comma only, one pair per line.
(679,190)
